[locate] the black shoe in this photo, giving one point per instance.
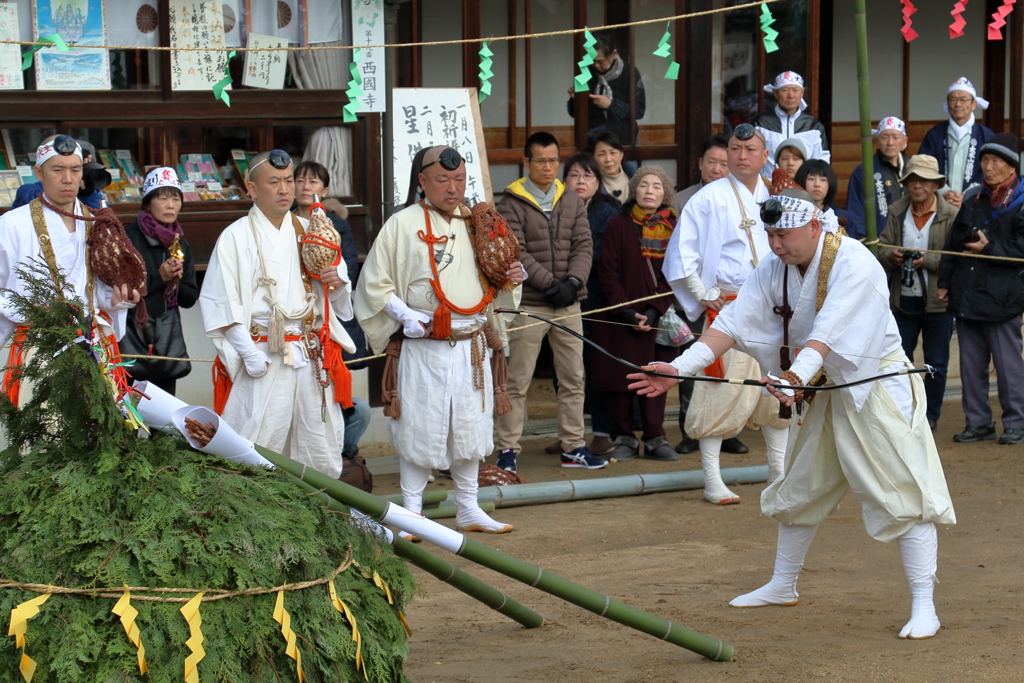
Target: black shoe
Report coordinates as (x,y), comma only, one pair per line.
(688,445)
(447,474)
(932,425)
(972,434)
(1011,436)
(659,448)
(734,445)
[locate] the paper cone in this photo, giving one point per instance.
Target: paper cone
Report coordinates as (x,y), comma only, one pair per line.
(157,406)
(226,443)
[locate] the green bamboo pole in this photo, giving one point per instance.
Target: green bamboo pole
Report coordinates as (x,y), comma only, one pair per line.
(434,497)
(532,575)
(447,510)
(867,147)
(445,571)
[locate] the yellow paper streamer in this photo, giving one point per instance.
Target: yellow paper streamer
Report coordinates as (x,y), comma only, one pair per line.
(408,629)
(343,608)
(19,625)
(282,617)
(190,610)
(384,587)
(124,609)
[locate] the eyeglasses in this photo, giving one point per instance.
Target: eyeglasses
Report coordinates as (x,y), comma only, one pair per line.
(278,158)
(960,100)
(544,162)
(576,176)
(65,145)
(745,131)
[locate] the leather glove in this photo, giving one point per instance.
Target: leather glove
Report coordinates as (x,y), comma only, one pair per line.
(561,294)
(411,320)
(256,362)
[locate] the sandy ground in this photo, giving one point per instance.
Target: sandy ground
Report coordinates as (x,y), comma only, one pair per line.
(676,556)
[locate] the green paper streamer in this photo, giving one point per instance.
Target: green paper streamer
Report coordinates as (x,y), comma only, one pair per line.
(220,88)
(485,72)
(664,49)
(770,34)
(355,90)
(583,80)
(53,39)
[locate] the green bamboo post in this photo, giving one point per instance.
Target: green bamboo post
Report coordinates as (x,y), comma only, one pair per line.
(433,497)
(445,571)
(867,148)
(532,575)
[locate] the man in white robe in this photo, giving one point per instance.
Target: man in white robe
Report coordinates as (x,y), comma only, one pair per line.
(872,438)
(721,240)
(59,169)
(446,414)
(254,289)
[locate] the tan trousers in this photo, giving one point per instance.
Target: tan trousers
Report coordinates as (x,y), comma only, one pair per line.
(524,346)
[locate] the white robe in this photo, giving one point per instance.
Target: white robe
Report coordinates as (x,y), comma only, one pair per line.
(873,438)
(443,417)
(282,409)
(19,245)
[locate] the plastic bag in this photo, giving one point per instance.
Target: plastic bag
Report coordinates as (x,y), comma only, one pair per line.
(673,330)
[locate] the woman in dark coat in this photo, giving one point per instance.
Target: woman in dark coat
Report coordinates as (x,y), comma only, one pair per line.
(170,282)
(629,268)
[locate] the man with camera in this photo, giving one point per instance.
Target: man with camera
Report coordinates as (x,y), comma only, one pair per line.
(90,189)
(920,222)
(987,295)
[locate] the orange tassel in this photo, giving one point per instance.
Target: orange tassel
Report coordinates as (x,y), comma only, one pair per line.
(15,357)
(442,322)
(221,386)
(341,376)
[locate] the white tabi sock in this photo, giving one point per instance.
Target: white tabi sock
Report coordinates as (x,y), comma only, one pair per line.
(413,479)
(775,438)
(469,516)
(715,490)
(919,549)
(789,559)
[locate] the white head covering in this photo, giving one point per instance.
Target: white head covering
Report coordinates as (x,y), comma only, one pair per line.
(797,212)
(46,151)
(160,177)
(787,78)
(963,84)
(890,123)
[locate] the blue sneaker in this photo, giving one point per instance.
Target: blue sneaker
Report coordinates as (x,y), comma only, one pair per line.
(507,460)
(582,458)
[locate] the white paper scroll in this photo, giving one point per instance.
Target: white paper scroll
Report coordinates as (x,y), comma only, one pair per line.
(265,69)
(10,55)
(156,407)
(368,29)
(194,24)
(421,527)
(226,443)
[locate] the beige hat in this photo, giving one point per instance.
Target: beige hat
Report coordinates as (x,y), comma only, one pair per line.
(924,166)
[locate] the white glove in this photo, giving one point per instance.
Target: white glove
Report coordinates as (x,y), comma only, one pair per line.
(696,287)
(123,306)
(412,321)
(694,359)
(807,364)
(256,361)
(778,380)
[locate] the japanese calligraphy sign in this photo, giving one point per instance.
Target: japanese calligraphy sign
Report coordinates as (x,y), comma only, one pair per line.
(10,55)
(424,117)
(368,29)
(77,21)
(265,69)
(196,23)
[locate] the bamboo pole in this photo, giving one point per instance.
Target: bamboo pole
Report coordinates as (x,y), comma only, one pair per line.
(867,150)
(445,571)
(532,575)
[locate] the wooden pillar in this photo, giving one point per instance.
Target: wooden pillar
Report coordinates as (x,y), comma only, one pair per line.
(581,102)
(823,84)
(1016,31)
(410,59)
(994,88)
(693,89)
(471,28)
(513,13)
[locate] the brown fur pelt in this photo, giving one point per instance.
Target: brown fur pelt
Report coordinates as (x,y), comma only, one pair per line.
(494,476)
(496,246)
(112,256)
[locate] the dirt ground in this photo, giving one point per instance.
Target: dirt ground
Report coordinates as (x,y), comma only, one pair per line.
(676,556)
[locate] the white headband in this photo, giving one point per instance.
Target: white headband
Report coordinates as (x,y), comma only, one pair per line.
(46,151)
(890,123)
(785,78)
(965,85)
(798,212)
(160,177)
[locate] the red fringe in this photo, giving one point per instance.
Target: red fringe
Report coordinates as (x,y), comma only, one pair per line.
(341,376)
(221,386)
(15,357)
(442,321)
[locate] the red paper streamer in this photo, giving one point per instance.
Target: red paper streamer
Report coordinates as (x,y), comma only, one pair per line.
(956,29)
(999,20)
(908,32)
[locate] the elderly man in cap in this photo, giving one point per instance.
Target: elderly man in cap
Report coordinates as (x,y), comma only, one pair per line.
(264,315)
(871,438)
(889,163)
(917,223)
(956,142)
(440,392)
(987,296)
(790,119)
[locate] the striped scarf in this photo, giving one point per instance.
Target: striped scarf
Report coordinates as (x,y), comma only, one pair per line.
(655,230)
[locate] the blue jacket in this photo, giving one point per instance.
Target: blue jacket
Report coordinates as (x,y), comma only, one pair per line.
(935,145)
(893,191)
(27,193)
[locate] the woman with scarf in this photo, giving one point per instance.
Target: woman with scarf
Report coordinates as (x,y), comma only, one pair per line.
(170,282)
(629,268)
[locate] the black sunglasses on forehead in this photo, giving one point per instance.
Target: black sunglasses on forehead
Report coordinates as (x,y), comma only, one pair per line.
(65,145)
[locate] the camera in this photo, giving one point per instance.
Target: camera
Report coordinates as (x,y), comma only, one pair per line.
(908,266)
(95,176)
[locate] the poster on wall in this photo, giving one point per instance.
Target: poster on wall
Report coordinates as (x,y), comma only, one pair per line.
(424,117)
(77,21)
(368,29)
(10,55)
(265,69)
(195,24)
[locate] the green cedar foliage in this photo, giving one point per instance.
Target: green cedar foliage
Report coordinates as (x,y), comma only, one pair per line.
(87,504)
